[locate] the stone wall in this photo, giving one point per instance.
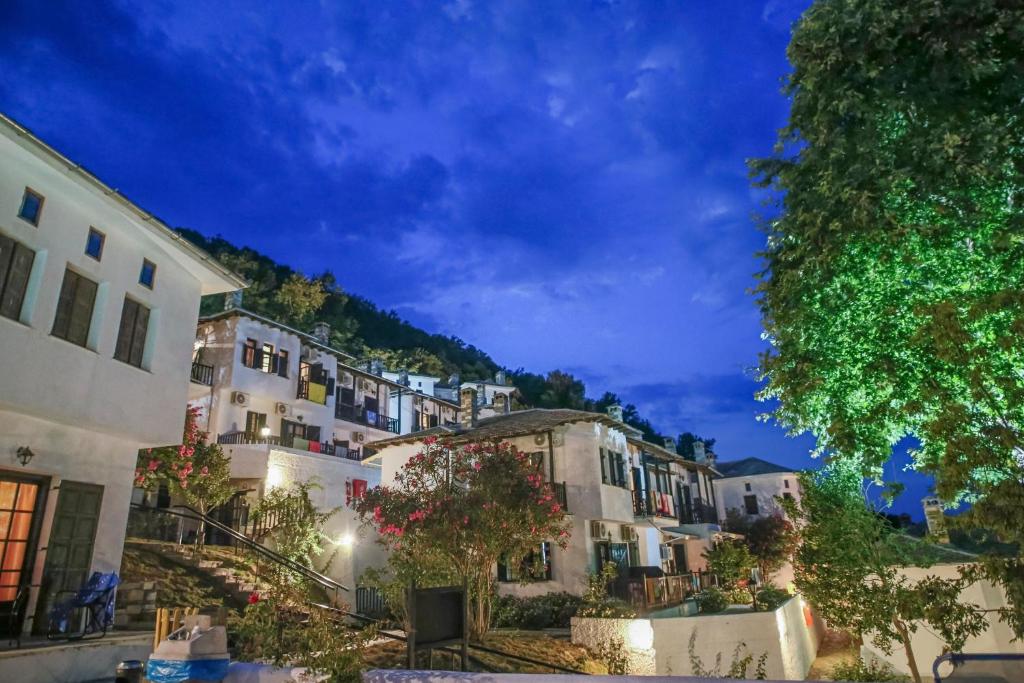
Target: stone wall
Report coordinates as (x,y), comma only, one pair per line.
(135,605)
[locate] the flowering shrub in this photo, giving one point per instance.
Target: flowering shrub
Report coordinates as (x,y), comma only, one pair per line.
(467,506)
(195,470)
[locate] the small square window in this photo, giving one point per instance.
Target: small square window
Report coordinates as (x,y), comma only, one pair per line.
(31,206)
(746,487)
(94,243)
(148,273)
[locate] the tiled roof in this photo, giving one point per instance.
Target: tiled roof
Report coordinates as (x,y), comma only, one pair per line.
(518,423)
(749,467)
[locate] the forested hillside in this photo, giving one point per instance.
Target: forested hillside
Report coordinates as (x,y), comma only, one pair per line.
(367,332)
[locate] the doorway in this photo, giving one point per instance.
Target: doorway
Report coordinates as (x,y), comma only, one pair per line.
(21,504)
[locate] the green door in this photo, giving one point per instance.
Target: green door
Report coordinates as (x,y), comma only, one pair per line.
(69,550)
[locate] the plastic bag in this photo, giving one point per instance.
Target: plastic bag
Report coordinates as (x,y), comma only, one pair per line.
(179,671)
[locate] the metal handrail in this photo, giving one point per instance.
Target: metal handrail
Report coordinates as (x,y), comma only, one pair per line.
(260,549)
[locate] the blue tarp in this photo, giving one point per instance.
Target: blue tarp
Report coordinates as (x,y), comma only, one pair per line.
(179,671)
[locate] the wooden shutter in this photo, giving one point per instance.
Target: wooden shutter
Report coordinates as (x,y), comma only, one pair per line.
(313,433)
(604,467)
(14,281)
(139,336)
(81,311)
(282,363)
(123,348)
(330,386)
(64,302)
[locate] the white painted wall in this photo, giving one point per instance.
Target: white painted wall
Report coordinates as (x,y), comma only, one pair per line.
(731,490)
(927,646)
(787,635)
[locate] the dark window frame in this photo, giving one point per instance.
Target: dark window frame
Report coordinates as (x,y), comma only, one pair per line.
(152,274)
(282,363)
(14,276)
(750,505)
(267,359)
(65,319)
(102,242)
(131,350)
(524,572)
(39,209)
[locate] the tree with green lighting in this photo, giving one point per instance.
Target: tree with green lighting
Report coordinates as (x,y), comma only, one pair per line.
(893,288)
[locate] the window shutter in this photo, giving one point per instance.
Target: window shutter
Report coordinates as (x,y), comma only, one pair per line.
(16,282)
(274,359)
(282,364)
(67,296)
(604,468)
(122,350)
(330,386)
(139,336)
(6,254)
(313,433)
(81,311)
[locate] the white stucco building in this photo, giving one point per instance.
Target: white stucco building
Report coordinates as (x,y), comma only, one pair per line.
(98,301)
(625,497)
(752,487)
(286,408)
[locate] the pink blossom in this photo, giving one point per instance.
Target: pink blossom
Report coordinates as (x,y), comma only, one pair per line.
(153,464)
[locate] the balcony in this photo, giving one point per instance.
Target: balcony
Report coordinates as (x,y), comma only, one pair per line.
(653,503)
(202,374)
(698,512)
(370,418)
(293,442)
(312,391)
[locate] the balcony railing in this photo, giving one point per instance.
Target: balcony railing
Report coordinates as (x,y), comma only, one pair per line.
(650,592)
(202,374)
(653,503)
(558,488)
(370,418)
(698,512)
(290,441)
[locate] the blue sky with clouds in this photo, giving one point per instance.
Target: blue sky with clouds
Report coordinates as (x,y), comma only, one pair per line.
(560,184)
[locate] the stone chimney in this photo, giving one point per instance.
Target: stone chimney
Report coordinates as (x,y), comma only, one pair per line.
(670,444)
(233,300)
(500,404)
(322,332)
(615,412)
(377,367)
(499,377)
(403,377)
(467,408)
(935,516)
(699,455)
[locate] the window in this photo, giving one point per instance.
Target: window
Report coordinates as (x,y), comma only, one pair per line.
(750,503)
(131,335)
(94,244)
(15,266)
(787,495)
(746,487)
(74,308)
(604,467)
(535,566)
(785,483)
(249,353)
(693,478)
(255,422)
(148,273)
(282,363)
(267,358)
(31,206)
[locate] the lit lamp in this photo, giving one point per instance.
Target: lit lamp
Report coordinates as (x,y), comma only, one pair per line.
(346,539)
(264,432)
(25,455)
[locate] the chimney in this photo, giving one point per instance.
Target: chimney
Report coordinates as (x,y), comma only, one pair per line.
(500,404)
(377,367)
(698,451)
(499,377)
(615,412)
(233,300)
(453,381)
(670,444)
(403,377)
(322,332)
(468,407)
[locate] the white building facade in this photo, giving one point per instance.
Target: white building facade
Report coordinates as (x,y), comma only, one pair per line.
(97,305)
(753,487)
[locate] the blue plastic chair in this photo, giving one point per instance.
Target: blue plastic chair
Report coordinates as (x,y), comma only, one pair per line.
(96,598)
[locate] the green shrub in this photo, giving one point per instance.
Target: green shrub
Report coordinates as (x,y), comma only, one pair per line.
(552,610)
(771,598)
(711,600)
(859,670)
(738,596)
(609,608)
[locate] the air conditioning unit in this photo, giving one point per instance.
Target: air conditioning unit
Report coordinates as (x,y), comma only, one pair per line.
(366,385)
(282,409)
(239,398)
(627,533)
(598,530)
(540,439)
(358,437)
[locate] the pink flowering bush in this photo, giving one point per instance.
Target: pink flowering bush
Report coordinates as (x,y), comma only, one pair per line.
(194,470)
(465,506)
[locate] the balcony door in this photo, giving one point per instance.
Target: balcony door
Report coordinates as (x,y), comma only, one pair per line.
(21,505)
(72,538)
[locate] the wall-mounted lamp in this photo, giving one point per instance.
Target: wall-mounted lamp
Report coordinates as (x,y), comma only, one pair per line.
(264,432)
(25,455)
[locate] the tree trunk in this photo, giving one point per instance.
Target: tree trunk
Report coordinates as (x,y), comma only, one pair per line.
(908,647)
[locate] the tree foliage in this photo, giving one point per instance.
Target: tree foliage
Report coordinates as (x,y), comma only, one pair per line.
(849,562)
(466,506)
(287,518)
(730,561)
(893,288)
(771,540)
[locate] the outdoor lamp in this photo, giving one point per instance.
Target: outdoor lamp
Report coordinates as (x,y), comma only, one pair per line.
(346,539)
(25,455)
(264,432)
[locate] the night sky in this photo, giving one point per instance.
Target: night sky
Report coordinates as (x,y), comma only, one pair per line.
(561,184)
